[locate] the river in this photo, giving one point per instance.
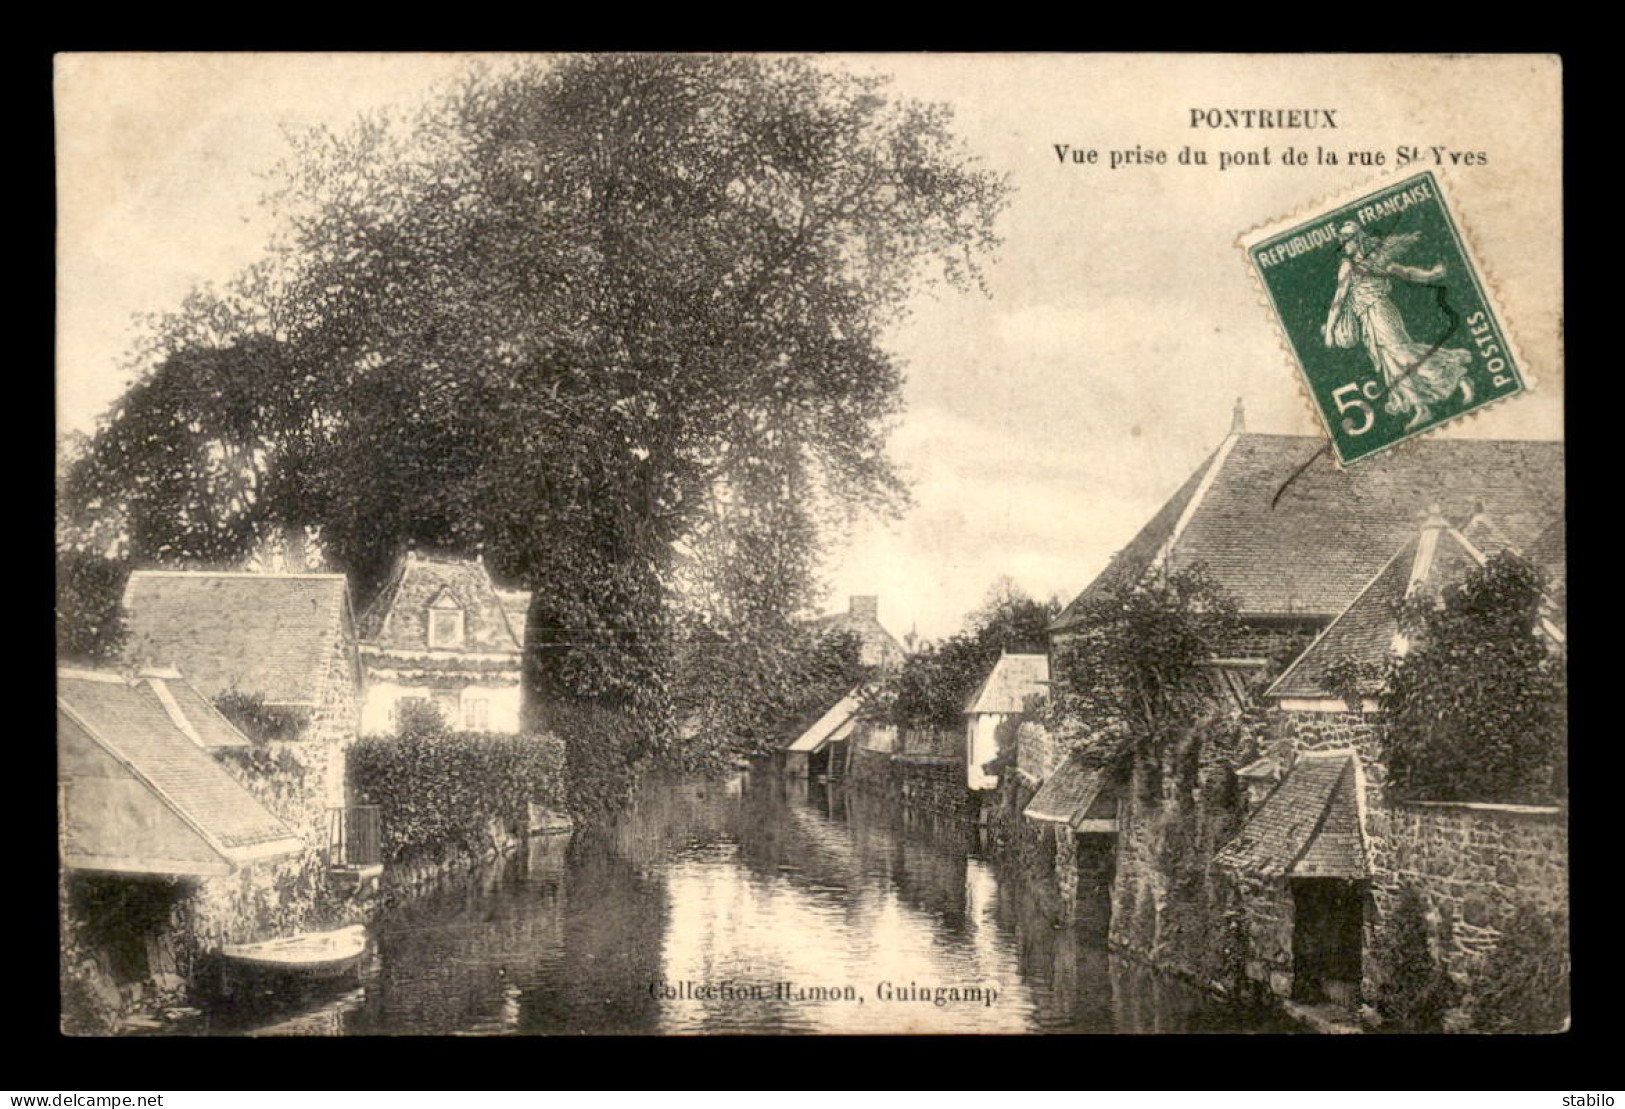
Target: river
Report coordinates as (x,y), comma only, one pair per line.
(746,905)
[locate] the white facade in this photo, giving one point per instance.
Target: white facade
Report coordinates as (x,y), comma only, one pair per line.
(464,709)
(982,747)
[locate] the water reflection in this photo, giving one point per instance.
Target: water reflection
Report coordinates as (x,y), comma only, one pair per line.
(748,905)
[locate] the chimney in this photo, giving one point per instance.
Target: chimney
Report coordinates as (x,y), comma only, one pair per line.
(1433,522)
(1238,418)
(866,607)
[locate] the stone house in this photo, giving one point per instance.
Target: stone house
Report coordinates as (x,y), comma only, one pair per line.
(995,711)
(287,639)
(1323,859)
(1294,540)
(439,633)
(862,619)
(165,855)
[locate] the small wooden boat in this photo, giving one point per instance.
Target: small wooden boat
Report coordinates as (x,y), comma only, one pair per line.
(307,955)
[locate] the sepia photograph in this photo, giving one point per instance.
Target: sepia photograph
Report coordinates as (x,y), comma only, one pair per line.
(693,544)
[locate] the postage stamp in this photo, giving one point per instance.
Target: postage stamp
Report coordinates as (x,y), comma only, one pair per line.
(1387,315)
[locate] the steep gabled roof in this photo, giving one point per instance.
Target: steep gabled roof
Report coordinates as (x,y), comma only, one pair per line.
(191,711)
(1308,827)
(1072,795)
(1007,686)
(1367,632)
(836,724)
(1310,551)
(265,634)
(1131,563)
(1550,552)
(143,795)
(397,617)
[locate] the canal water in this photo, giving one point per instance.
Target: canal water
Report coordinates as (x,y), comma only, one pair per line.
(746,905)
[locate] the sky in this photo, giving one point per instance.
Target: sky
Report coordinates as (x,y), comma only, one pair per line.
(1045,421)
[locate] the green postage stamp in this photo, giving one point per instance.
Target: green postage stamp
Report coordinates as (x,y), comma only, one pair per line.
(1387,315)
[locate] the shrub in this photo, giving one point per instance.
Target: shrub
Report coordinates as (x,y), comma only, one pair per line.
(1525,982)
(1415,991)
(440,791)
(1478,707)
(260,722)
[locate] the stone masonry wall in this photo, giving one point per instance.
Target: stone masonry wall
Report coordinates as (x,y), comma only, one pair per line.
(1473,866)
(934,787)
(1170,905)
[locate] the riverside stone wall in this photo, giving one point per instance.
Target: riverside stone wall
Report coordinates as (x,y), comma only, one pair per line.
(1170,904)
(1473,866)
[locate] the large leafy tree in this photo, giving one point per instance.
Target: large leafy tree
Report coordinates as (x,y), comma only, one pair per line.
(616,320)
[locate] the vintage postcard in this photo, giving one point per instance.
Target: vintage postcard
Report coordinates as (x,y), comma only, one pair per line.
(689,544)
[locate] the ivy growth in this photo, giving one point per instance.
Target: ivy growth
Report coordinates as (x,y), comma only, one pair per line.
(440,791)
(1131,678)
(1525,983)
(1478,706)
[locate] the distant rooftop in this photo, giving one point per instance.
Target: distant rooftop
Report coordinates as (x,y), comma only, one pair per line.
(862,618)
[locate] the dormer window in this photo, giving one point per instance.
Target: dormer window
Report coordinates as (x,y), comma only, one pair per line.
(445,622)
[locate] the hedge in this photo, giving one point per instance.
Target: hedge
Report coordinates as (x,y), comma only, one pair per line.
(440,792)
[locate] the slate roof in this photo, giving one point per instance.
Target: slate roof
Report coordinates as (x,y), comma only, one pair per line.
(1550,552)
(836,724)
(212,729)
(129,722)
(1308,827)
(397,618)
(1007,686)
(1365,632)
(1309,553)
(265,634)
(1073,794)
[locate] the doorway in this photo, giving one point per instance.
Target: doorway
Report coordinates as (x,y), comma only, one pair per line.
(1326,939)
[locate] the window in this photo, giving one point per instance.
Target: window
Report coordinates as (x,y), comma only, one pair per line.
(1232,682)
(446,702)
(445,627)
(477,713)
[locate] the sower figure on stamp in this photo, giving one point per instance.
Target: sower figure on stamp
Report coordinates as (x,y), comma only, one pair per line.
(1417,374)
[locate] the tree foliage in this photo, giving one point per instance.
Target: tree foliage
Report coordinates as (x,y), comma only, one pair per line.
(1478,706)
(89,623)
(750,694)
(1132,668)
(615,320)
(934,684)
